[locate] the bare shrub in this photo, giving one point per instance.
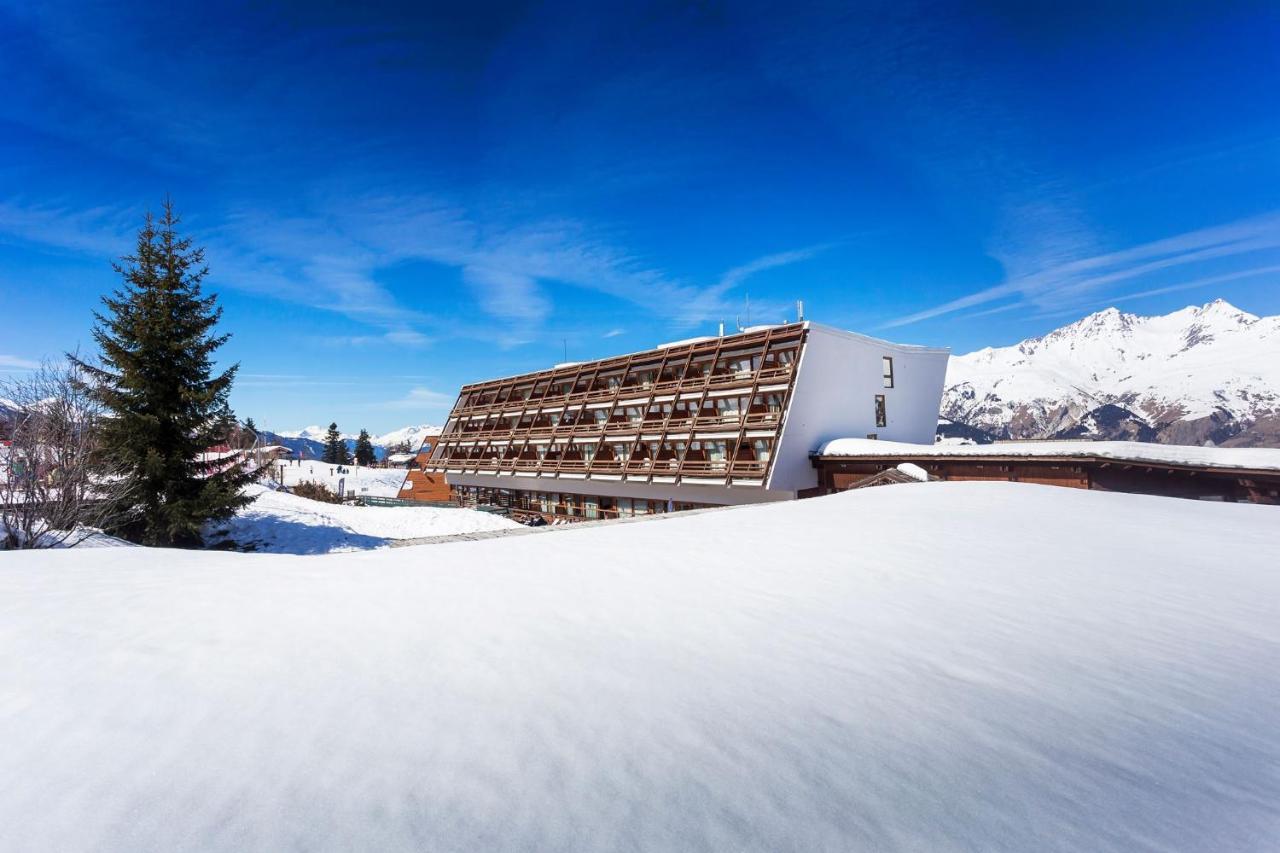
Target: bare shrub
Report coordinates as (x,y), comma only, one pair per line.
(54,484)
(316,492)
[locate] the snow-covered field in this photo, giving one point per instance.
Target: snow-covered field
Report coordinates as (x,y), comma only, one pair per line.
(278,522)
(952,666)
(377,482)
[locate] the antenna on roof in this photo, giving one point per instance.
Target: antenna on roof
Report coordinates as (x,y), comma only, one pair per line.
(566,348)
(799,310)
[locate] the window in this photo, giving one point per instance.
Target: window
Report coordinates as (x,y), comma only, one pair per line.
(881,419)
(888,372)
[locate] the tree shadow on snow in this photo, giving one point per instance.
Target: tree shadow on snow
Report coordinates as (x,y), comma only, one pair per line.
(270,535)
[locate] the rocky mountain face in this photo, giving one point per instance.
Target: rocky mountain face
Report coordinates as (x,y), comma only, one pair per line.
(1202,374)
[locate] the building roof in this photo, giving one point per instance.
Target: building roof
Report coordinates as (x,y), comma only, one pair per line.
(401,457)
(1253,458)
(663,348)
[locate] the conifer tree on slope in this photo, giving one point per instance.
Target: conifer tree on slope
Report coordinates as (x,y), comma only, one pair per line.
(364,449)
(156,380)
(335,447)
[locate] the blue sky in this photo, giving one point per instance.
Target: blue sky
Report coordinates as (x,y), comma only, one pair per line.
(397,200)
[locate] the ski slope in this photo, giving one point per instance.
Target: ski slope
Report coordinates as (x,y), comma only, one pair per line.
(930,667)
(376,482)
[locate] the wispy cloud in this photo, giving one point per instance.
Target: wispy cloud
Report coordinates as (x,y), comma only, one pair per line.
(1079,278)
(613,333)
(713,302)
(102,231)
(398,338)
(13,362)
(421,398)
(1207,281)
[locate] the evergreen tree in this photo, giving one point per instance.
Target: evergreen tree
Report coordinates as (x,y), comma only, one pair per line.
(364,449)
(335,447)
(156,379)
(250,426)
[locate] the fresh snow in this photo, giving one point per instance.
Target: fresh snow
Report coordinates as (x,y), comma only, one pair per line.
(282,523)
(373,482)
(951,666)
(1258,458)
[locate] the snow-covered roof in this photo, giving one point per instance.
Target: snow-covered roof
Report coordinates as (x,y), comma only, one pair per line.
(400,457)
(1256,458)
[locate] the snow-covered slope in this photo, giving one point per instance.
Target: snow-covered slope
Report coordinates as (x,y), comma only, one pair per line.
(411,435)
(354,479)
(278,522)
(1207,373)
(311,433)
(987,667)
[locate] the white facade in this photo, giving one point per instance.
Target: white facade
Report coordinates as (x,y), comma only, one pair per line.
(840,375)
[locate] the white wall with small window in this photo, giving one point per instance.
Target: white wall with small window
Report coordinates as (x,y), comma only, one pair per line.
(854,385)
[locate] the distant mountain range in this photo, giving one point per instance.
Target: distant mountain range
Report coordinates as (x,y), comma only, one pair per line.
(1202,374)
(310,440)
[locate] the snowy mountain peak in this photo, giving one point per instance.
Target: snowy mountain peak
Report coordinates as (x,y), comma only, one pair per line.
(411,435)
(1222,314)
(313,432)
(1200,373)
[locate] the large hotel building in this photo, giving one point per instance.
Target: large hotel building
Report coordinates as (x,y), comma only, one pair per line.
(709,421)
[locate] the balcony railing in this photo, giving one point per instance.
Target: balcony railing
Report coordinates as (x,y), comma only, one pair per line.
(723,467)
(733,421)
(658,467)
(688,383)
(763,418)
(623,427)
(593,428)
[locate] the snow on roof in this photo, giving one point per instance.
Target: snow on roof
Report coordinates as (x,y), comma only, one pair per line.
(400,457)
(1257,458)
(749,679)
(685,342)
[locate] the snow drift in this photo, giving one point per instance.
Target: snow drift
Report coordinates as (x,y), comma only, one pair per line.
(935,667)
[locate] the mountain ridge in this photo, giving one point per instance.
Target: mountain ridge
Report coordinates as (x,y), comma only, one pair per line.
(1202,373)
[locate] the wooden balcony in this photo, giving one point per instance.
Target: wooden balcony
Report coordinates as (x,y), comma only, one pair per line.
(717,422)
(624,427)
(724,380)
(588,428)
(774,374)
(723,467)
(598,395)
